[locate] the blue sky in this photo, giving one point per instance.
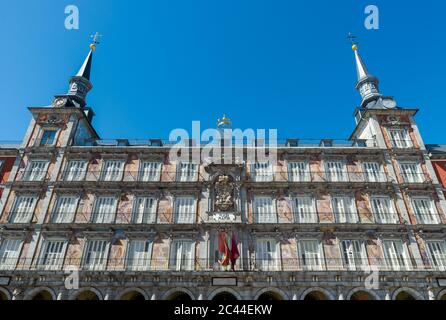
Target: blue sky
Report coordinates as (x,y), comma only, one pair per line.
(266,64)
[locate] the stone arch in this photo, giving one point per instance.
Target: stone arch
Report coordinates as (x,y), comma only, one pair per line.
(442,295)
(4,294)
(86,294)
(328,294)
(371,293)
(409,291)
(41,293)
(275,291)
(214,293)
(170,293)
(124,295)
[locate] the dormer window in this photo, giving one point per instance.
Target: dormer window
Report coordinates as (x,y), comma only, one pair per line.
(48,137)
(400,138)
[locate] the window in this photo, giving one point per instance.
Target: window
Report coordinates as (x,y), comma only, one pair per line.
(95,255)
(104,210)
(267,255)
(396,255)
(52,254)
(48,137)
(400,138)
(299,172)
(65,209)
(184,210)
(139,253)
(187,172)
(383,210)
(150,171)
(75,170)
(311,255)
(336,171)
(424,210)
(23,209)
(36,170)
(373,173)
(305,210)
(181,256)
(344,210)
(262,172)
(9,253)
(144,210)
(263,210)
(354,255)
(411,172)
(437,254)
(112,170)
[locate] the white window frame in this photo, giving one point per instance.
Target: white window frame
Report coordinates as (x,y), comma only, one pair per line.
(268,260)
(262,171)
(403,140)
(42,132)
(36,174)
(350,215)
(100,216)
(299,171)
(19,217)
(262,216)
(184,216)
(141,214)
(430,217)
(181,265)
(396,261)
(437,259)
(389,217)
(100,262)
(303,261)
(412,177)
(302,212)
(373,171)
(350,255)
(58,215)
(142,260)
(150,171)
(112,170)
(11,260)
(336,171)
(187,172)
(75,170)
(48,263)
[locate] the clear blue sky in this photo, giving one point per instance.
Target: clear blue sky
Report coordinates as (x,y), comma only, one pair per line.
(266,64)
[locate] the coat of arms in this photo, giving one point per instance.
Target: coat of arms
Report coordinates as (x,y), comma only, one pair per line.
(224,194)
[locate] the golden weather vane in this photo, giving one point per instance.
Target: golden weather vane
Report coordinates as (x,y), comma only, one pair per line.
(352,38)
(95,42)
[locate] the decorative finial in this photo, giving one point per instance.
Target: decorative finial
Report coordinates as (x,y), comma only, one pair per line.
(95,42)
(352,38)
(223,121)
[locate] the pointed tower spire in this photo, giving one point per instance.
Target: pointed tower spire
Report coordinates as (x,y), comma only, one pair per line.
(80,84)
(367,84)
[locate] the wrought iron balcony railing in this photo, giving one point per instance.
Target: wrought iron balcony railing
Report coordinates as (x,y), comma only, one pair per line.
(303,264)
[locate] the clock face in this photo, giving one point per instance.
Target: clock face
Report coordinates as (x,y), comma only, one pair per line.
(60,102)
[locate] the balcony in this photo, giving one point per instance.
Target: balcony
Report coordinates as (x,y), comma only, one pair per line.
(157,264)
(319,176)
(130,176)
(33,176)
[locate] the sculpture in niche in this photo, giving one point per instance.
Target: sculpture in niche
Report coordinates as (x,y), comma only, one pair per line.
(224,194)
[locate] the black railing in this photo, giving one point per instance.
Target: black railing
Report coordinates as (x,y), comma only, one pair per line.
(198,264)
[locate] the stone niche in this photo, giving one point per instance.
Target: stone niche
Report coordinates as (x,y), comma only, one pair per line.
(224,192)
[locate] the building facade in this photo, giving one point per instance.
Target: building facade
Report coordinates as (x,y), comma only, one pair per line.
(361,219)
(437,155)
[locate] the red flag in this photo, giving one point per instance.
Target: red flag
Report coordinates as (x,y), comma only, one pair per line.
(234,250)
(224,248)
